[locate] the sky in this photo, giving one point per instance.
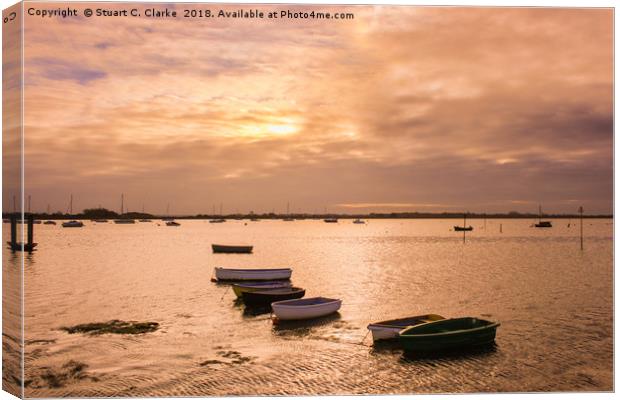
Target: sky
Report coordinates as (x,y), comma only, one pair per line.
(400,109)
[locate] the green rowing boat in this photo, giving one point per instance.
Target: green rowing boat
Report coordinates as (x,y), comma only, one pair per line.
(447,334)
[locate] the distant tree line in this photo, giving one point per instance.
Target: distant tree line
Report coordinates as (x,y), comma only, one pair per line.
(103,213)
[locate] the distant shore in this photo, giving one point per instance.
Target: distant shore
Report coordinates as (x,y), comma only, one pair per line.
(272,216)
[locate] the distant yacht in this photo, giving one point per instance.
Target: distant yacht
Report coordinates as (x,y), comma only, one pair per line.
(331,220)
(49,223)
(542,224)
(123,221)
(359,221)
(72,224)
(288,217)
(172,223)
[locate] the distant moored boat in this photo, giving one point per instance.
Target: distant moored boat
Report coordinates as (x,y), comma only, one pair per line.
(331,220)
(172,223)
(72,224)
(221,248)
(542,224)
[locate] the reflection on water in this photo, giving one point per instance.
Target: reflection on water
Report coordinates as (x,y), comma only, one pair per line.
(450,355)
(553,300)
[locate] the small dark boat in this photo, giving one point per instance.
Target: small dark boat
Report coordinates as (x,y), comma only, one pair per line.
(49,223)
(331,220)
(220,248)
(542,224)
(217,221)
(448,334)
(264,297)
(72,224)
(172,223)
(463,228)
(101,221)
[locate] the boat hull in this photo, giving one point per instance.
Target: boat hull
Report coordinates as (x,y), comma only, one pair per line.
(239,289)
(72,224)
(461,229)
(388,330)
(290,310)
(266,297)
(230,274)
(449,334)
(219,248)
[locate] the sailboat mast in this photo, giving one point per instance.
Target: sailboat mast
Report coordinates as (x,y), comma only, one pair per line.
(122,203)
(71,204)
(539,213)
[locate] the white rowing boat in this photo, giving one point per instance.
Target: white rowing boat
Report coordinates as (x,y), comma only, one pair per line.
(386,330)
(309,308)
(262,274)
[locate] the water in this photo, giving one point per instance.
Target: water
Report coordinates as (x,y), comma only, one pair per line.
(554,303)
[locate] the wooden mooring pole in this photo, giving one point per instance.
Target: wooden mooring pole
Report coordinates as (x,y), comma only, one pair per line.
(30,231)
(13,231)
(581,226)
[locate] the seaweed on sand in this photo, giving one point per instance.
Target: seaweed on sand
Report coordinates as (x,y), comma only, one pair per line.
(114,326)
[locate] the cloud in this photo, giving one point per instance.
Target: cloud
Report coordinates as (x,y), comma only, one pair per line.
(420,106)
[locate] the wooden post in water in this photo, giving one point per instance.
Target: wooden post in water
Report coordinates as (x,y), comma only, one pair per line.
(13,231)
(30,231)
(464,222)
(581,225)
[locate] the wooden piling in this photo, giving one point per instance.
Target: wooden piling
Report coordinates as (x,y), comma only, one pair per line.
(13,231)
(30,231)
(581,225)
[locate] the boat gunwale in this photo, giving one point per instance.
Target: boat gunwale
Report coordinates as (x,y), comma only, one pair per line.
(492,325)
(254,269)
(291,289)
(279,303)
(259,285)
(383,324)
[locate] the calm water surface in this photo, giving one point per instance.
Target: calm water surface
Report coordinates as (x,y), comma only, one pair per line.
(554,303)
